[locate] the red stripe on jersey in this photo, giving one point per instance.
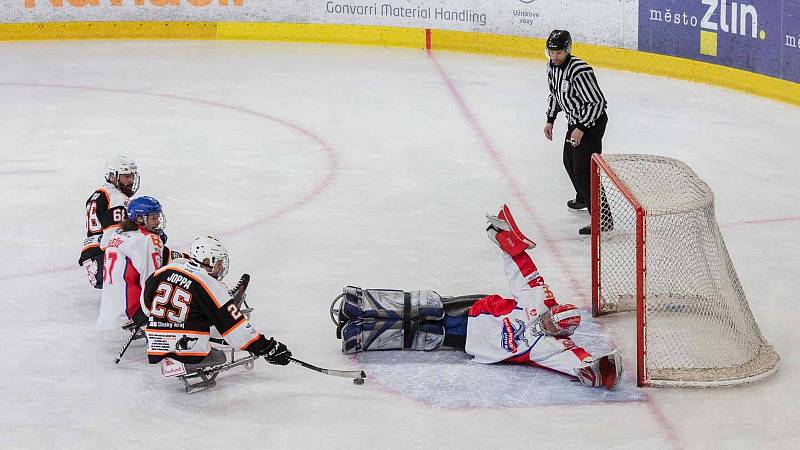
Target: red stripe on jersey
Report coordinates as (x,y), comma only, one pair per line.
(549,298)
(494,305)
(132,289)
(527,267)
(522,358)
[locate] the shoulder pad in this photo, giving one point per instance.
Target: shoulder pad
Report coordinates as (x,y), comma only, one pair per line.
(117,199)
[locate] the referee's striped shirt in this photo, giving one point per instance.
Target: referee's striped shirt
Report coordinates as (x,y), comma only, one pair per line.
(574,90)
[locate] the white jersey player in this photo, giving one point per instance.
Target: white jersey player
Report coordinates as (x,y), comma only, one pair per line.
(105,209)
(132,254)
(530,328)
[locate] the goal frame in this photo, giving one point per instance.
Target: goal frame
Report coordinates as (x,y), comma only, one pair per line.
(764,361)
(641,319)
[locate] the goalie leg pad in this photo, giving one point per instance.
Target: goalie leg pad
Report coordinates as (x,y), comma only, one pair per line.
(385,304)
(390,304)
(368,335)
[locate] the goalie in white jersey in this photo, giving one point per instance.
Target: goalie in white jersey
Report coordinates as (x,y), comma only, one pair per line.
(132,254)
(530,328)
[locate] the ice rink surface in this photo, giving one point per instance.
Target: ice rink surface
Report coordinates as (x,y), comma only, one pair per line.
(321,166)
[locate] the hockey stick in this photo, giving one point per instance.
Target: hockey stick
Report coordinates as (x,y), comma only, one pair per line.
(124,348)
(335,373)
(356,374)
(237,293)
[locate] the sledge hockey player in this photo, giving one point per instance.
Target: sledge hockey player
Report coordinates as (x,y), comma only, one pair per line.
(132,253)
(530,328)
(105,209)
(184,299)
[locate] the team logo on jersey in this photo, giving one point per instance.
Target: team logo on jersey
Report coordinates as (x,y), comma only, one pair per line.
(185,343)
(510,335)
(565,86)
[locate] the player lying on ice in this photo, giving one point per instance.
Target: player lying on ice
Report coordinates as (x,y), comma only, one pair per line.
(183,300)
(530,328)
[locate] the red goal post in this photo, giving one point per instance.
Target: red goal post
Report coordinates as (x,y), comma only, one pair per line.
(657,250)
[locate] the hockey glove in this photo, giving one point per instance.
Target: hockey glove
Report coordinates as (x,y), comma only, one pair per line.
(91,267)
(277,353)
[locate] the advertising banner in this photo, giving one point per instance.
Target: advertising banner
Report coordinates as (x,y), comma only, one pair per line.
(610,23)
(22,11)
(761,36)
(603,22)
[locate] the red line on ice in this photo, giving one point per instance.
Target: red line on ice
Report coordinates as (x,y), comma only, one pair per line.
(520,196)
(324,183)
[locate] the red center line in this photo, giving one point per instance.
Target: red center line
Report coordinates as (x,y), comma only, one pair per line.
(514,185)
(520,196)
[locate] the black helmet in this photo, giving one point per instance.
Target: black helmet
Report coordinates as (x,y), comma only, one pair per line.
(559,40)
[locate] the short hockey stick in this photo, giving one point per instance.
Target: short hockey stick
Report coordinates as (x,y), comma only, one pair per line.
(332,372)
(336,373)
(125,347)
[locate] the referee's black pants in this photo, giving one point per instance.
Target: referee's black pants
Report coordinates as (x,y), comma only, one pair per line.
(577,160)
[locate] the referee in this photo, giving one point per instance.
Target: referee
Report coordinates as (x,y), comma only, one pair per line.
(574,90)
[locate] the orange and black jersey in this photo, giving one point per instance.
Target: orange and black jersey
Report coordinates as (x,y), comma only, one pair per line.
(183,302)
(105,208)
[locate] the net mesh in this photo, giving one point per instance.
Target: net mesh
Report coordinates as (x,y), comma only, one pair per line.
(699,330)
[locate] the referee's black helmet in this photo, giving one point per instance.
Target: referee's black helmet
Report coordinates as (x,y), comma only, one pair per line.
(559,40)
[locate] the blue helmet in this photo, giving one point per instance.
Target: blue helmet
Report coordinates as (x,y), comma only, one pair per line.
(143,207)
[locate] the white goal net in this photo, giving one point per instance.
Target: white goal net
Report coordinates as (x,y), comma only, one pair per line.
(660,253)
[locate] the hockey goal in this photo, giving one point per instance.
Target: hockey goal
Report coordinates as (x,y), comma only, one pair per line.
(660,253)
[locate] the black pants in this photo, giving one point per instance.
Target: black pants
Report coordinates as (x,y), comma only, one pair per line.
(578,160)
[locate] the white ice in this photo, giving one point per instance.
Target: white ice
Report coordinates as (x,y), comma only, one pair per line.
(322,166)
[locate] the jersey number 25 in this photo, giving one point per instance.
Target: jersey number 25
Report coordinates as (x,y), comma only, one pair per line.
(178,299)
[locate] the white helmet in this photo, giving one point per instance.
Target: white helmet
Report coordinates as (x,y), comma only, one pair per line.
(122,165)
(208,251)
